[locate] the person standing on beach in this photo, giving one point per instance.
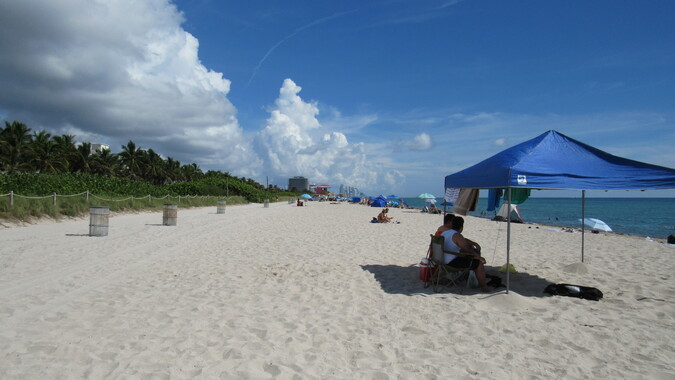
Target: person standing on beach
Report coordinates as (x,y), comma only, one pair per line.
(455,242)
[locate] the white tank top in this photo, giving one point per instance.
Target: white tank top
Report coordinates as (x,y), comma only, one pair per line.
(449,245)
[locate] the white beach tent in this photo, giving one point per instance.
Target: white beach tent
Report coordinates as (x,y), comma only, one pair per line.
(503,213)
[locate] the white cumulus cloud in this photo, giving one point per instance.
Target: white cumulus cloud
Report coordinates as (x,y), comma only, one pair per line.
(114,71)
(294,142)
(420,142)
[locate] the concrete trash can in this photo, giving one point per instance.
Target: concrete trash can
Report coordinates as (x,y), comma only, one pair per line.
(221,207)
(98,220)
(170,215)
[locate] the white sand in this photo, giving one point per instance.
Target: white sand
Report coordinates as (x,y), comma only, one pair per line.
(318,292)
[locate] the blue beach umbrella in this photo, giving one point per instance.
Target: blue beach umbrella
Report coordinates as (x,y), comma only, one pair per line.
(426,196)
(393,196)
(306,196)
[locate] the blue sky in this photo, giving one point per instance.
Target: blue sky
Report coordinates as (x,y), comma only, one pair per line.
(388,96)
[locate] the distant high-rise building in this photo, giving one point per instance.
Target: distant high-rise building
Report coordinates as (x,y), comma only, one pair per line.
(93,148)
(298,183)
(349,191)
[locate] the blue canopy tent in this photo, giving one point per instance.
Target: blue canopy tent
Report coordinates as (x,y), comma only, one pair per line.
(554,161)
(379,202)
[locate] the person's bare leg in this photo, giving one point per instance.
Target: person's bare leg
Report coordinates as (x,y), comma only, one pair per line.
(480,275)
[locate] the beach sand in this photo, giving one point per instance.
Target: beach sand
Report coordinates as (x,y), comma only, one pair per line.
(318,292)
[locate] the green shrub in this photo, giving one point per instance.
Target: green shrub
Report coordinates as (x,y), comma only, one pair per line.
(113,190)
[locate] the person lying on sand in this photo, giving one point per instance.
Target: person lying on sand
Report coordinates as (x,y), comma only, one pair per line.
(455,242)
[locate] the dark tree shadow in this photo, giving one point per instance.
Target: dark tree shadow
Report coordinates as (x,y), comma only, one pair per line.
(395,279)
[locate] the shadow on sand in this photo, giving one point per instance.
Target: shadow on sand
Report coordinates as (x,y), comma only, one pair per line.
(395,279)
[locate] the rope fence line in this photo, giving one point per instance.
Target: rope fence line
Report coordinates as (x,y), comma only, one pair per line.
(149,197)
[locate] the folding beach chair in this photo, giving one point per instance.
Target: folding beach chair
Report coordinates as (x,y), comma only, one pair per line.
(443,271)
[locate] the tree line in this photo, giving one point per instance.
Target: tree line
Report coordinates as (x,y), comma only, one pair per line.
(23,151)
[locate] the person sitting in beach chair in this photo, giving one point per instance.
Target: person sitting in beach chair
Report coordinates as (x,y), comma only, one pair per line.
(447,224)
(455,242)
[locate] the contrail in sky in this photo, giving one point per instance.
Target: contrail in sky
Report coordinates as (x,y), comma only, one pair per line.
(311,24)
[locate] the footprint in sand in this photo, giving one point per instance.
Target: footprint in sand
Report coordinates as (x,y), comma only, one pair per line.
(232,354)
(272,369)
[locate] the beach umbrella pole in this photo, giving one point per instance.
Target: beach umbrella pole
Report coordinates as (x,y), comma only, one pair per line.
(508,241)
(583,218)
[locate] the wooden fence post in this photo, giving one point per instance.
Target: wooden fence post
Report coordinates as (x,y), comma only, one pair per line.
(11,199)
(54,199)
(87,196)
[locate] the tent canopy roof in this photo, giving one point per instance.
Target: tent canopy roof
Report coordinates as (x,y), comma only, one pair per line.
(555,161)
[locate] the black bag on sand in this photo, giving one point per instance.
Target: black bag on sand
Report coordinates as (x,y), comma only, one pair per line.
(577,291)
(494,281)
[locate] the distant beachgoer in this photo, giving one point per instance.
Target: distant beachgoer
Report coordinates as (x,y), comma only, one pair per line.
(383,218)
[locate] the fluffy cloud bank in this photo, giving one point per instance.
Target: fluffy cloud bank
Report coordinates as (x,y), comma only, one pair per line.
(112,71)
(295,143)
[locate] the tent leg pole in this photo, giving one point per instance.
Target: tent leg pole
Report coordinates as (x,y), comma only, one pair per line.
(583,218)
(445,203)
(508,242)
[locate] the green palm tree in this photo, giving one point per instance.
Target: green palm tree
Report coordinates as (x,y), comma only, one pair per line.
(172,170)
(131,159)
(66,151)
(43,155)
(105,163)
(153,167)
(191,172)
(82,159)
(14,147)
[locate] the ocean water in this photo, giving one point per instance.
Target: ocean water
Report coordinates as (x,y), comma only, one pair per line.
(653,217)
